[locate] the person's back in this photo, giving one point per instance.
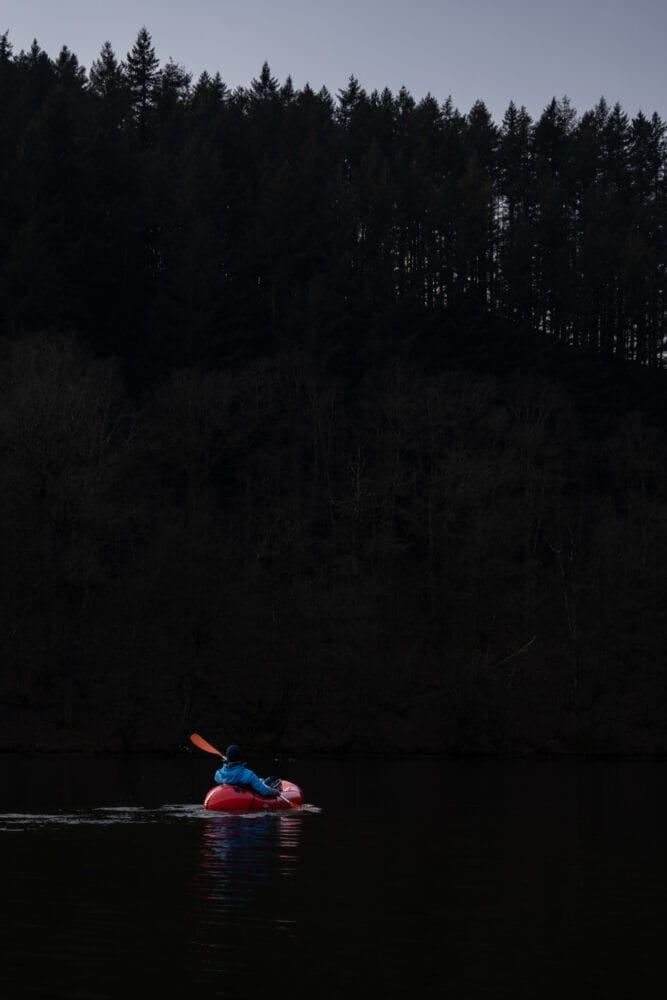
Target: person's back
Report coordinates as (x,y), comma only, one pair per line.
(234,772)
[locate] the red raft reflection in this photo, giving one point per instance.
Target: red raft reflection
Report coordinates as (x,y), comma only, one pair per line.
(227,798)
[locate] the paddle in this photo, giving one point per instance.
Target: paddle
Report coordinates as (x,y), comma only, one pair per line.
(203,744)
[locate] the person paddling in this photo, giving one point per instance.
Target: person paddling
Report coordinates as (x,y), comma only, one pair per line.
(234,772)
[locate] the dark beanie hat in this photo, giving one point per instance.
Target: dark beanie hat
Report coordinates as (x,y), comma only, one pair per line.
(233,754)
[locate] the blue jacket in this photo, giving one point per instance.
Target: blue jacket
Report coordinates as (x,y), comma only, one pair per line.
(237,774)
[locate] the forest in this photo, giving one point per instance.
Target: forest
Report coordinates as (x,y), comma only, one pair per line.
(328,423)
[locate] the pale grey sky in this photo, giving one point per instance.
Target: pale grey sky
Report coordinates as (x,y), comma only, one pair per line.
(496,50)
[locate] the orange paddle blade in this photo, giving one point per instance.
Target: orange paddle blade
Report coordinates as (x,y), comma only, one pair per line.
(203,744)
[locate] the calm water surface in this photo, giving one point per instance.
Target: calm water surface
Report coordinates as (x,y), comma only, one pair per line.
(460,879)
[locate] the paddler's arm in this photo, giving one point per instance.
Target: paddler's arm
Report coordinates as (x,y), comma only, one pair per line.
(261,788)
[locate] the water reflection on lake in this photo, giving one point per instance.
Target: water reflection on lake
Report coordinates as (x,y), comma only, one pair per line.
(238,853)
(477,878)
(244,911)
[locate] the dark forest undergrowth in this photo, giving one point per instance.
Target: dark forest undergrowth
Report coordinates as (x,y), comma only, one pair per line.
(437,561)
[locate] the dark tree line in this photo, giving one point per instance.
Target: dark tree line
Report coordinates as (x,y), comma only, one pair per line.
(178,223)
(334,423)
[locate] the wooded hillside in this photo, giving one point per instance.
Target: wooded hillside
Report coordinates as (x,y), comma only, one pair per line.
(327,423)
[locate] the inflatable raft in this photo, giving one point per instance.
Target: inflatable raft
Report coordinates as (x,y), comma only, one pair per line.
(232,799)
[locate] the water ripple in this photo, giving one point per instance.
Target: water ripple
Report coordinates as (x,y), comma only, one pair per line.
(115,815)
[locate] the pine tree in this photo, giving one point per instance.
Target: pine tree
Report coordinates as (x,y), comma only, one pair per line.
(208,97)
(349,101)
(142,71)
(171,94)
(287,92)
(108,82)
(51,185)
(646,255)
(555,207)
(7,103)
(616,150)
(68,70)
(265,88)
(515,183)
(36,72)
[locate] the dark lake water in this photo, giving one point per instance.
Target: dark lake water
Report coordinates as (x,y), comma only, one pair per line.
(412,878)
